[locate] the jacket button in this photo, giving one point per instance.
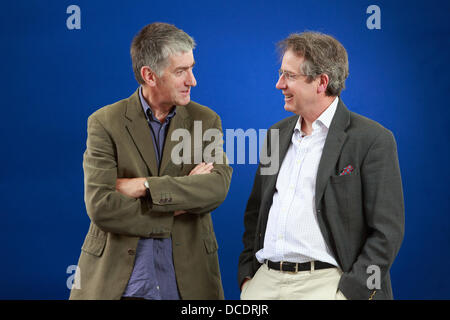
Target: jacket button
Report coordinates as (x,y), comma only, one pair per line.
(131,252)
(318,211)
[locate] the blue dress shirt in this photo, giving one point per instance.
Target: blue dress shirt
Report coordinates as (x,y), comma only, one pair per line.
(153,275)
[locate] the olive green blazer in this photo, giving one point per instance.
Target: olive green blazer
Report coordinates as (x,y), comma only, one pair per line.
(119,145)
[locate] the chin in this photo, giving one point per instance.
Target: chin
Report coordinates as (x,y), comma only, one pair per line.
(289,108)
(292,107)
(184,101)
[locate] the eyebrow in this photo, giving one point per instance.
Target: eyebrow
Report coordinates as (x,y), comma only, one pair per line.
(184,67)
(284,70)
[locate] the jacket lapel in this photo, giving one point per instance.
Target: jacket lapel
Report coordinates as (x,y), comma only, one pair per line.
(332,148)
(137,126)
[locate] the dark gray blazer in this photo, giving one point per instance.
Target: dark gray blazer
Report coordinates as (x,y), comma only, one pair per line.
(361,215)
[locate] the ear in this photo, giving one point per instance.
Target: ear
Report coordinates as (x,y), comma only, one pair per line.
(148,75)
(323,83)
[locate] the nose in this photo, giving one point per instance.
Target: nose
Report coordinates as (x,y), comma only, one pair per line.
(191,81)
(281,83)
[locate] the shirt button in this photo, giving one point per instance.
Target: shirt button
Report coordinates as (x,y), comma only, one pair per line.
(131,252)
(318,211)
(157,287)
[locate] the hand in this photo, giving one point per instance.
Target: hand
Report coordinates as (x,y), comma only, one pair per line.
(243,282)
(202,168)
(133,188)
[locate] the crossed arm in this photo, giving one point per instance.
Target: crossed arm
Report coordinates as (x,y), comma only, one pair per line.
(135,188)
(118,205)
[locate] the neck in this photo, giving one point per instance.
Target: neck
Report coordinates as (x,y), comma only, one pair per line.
(311,115)
(160,111)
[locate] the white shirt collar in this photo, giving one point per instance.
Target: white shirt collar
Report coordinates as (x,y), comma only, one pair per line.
(325,118)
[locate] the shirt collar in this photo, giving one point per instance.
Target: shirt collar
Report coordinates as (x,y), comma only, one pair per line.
(146,107)
(325,118)
(328,114)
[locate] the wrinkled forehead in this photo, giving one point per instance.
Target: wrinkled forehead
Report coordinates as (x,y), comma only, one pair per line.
(181,60)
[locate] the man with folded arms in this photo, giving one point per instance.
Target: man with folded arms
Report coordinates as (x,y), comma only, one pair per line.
(151,234)
(329,223)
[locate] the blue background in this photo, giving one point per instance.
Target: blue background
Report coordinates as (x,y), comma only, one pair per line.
(54,78)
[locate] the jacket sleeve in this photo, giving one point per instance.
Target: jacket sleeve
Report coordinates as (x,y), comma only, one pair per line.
(197,193)
(384,214)
(110,210)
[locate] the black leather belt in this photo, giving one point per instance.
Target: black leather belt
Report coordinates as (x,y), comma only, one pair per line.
(296,267)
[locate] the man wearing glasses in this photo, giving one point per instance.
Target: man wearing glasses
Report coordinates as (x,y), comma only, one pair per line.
(330,222)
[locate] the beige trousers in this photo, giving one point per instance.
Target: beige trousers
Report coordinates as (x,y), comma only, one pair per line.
(269,284)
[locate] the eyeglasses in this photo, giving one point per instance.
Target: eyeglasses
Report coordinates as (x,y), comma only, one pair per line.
(289,76)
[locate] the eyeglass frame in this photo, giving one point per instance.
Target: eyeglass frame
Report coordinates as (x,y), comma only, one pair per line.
(289,76)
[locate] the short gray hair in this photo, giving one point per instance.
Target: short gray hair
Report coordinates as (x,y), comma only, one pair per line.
(153,45)
(322,54)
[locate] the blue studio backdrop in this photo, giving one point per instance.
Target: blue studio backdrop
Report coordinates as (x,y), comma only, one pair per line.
(57,70)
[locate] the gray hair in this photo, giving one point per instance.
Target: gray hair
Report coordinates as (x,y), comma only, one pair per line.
(322,54)
(153,45)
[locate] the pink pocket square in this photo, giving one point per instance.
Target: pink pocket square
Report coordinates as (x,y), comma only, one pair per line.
(347,170)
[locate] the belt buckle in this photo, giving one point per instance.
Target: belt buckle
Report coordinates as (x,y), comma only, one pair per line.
(281,268)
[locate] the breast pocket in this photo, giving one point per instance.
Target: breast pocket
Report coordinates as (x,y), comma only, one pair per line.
(344,178)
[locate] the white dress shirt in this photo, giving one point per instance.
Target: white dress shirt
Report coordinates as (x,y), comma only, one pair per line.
(293,232)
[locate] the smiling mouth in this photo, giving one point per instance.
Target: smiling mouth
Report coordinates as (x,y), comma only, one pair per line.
(288,97)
